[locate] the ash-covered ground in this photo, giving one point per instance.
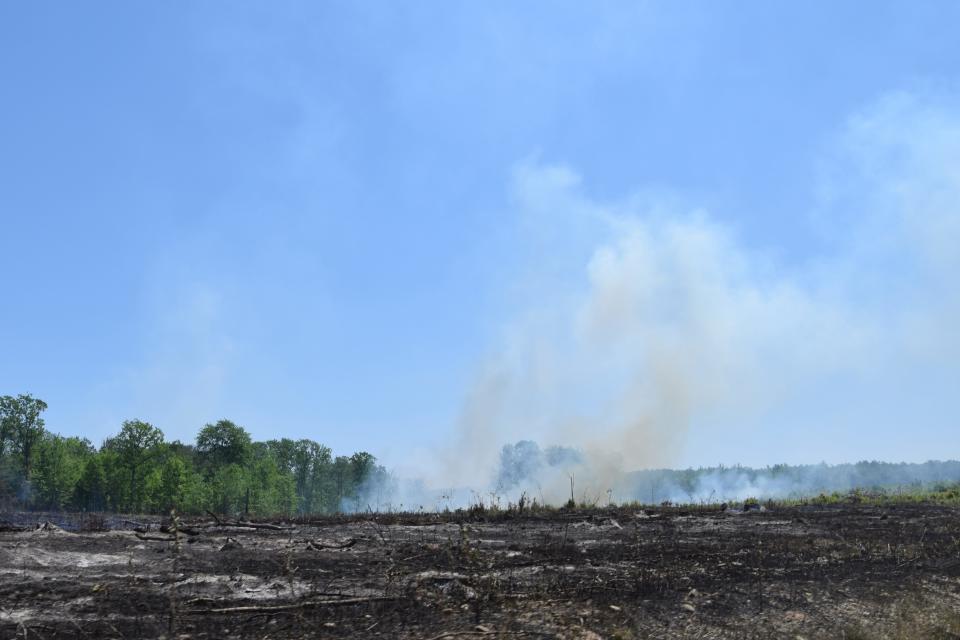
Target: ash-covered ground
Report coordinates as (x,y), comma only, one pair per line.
(835,571)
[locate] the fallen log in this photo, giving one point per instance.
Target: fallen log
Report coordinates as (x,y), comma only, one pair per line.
(260,525)
(190,531)
(136,525)
(249,525)
(142,536)
(211,601)
(489,632)
(318,546)
(280,608)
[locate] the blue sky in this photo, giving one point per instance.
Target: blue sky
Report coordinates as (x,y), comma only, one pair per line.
(335,220)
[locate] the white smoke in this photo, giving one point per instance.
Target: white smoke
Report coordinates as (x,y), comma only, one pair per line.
(670,320)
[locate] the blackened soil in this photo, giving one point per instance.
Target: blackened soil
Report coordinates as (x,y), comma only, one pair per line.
(850,571)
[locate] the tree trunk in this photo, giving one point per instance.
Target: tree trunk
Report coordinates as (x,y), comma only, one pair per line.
(133,488)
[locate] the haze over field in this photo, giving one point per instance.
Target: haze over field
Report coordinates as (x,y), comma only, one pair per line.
(663,236)
(674,326)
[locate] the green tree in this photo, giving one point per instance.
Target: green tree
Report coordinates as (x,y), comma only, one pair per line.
(10,481)
(221,444)
(228,489)
(313,469)
(91,490)
(309,463)
(361,464)
(269,489)
(183,451)
(138,446)
(364,474)
(59,465)
(21,427)
(168,485)
(342,482)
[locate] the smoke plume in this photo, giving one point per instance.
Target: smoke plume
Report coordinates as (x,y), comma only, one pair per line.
(648,318)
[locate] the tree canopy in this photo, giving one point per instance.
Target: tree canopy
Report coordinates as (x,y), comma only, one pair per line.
(21,428)
(138,470)
(223,443)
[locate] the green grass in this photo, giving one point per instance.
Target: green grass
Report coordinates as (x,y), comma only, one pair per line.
(945,494)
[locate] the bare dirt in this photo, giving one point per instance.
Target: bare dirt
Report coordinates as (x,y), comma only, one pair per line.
(851,571)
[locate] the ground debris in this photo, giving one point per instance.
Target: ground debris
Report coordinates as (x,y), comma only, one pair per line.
(49,527)
(230,545)
(811,572)
(321,546)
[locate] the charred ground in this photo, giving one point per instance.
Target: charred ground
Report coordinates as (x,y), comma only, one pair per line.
(840,570)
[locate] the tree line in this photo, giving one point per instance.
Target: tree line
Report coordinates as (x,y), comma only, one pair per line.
(524,465)
(139,471)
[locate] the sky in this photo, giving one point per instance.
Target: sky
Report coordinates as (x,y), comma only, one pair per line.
(684,233)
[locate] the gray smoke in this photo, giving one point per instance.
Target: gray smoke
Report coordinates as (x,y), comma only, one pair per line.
(523,463)
(652,320)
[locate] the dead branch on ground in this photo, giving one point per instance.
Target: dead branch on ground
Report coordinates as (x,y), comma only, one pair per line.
(280,608)
(319,546)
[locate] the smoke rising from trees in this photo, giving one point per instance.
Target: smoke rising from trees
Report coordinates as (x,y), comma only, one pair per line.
(661,319)
(524,466)
(648,327)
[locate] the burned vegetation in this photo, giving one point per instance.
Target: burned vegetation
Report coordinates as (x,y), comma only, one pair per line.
(827,570)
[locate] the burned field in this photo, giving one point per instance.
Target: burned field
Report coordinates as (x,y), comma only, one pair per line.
(812,571)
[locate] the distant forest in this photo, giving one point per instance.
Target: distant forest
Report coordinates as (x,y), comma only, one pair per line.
(779,481)
(139,471)
(525,465)
(225,471)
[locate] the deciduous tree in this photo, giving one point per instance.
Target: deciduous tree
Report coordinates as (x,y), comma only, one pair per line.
(138,445)
(223,443)
(59,464)
(21,427)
